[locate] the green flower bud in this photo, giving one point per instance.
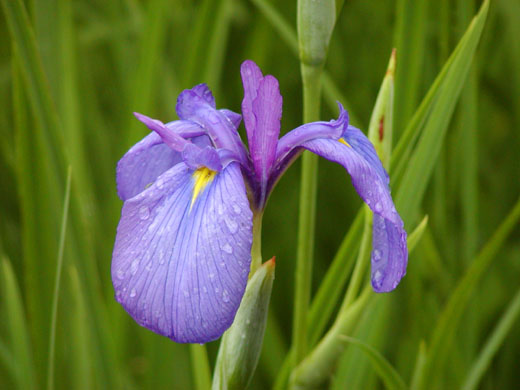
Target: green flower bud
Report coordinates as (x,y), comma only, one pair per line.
(380,127)
(316,21)
(241,344)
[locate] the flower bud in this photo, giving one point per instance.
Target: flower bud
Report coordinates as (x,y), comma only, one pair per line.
(241,344)
(316,21)
(380,127)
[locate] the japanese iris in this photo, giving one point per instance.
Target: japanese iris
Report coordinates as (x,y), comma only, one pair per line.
(183,247)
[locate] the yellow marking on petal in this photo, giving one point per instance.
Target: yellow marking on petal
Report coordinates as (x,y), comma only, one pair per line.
(202,177)
(344,142)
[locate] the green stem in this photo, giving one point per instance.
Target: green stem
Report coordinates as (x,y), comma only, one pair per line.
(200,367)
(311,108)
(256,248)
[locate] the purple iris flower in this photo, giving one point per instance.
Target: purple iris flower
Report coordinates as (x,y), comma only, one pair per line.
(183,247)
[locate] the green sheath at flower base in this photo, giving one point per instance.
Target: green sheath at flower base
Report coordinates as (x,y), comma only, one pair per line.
(241,344)
(316,21)
(380,127)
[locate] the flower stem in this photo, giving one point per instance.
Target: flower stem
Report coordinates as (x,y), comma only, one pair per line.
(311,108)
(200,367)
(256,248)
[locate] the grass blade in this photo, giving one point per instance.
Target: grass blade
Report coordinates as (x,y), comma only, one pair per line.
(446,325)
(16,325)
(421,164)
(493,344)
(59,266)
(384,369)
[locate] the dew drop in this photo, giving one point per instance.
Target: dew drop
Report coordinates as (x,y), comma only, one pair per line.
(225,296)
(120,274)
(227,248)
(377,276)
(160,183)
(220,209)
(217,290)
(133,293)
(212,276)
(134,266)
(231,225)
(144,213)
(378,207)
(377,254)
(236,209)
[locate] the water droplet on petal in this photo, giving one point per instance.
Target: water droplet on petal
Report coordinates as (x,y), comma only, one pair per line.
(227,248)
(134,266)
(144,212)
(133,293)
(377,276)
(120,274)
(225,296)
(377,254)
(378,207)
(220,209)
(231,225)
(236,209)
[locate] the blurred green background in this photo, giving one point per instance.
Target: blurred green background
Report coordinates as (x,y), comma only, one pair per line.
(102,60)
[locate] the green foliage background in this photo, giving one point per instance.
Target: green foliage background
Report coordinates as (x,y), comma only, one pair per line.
(102,60)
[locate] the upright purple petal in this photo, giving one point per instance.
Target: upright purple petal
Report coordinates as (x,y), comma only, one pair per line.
(180,266)
(389,254)
(267,108)
(191,106)
(251,78)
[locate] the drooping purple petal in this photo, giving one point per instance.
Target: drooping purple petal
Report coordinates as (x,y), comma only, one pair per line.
(251,77)
(290,145)
(361,144)
(389,255)
(180,266)
(191,106)
(142,164)
(309,131)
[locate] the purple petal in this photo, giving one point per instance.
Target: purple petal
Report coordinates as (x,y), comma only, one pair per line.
(180,269)
(364,147)
(142,164)
(195,108)
(389,255)
(195,157)
(251,77)
(315,130)
(233,117)
(267,108)
(169,136)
